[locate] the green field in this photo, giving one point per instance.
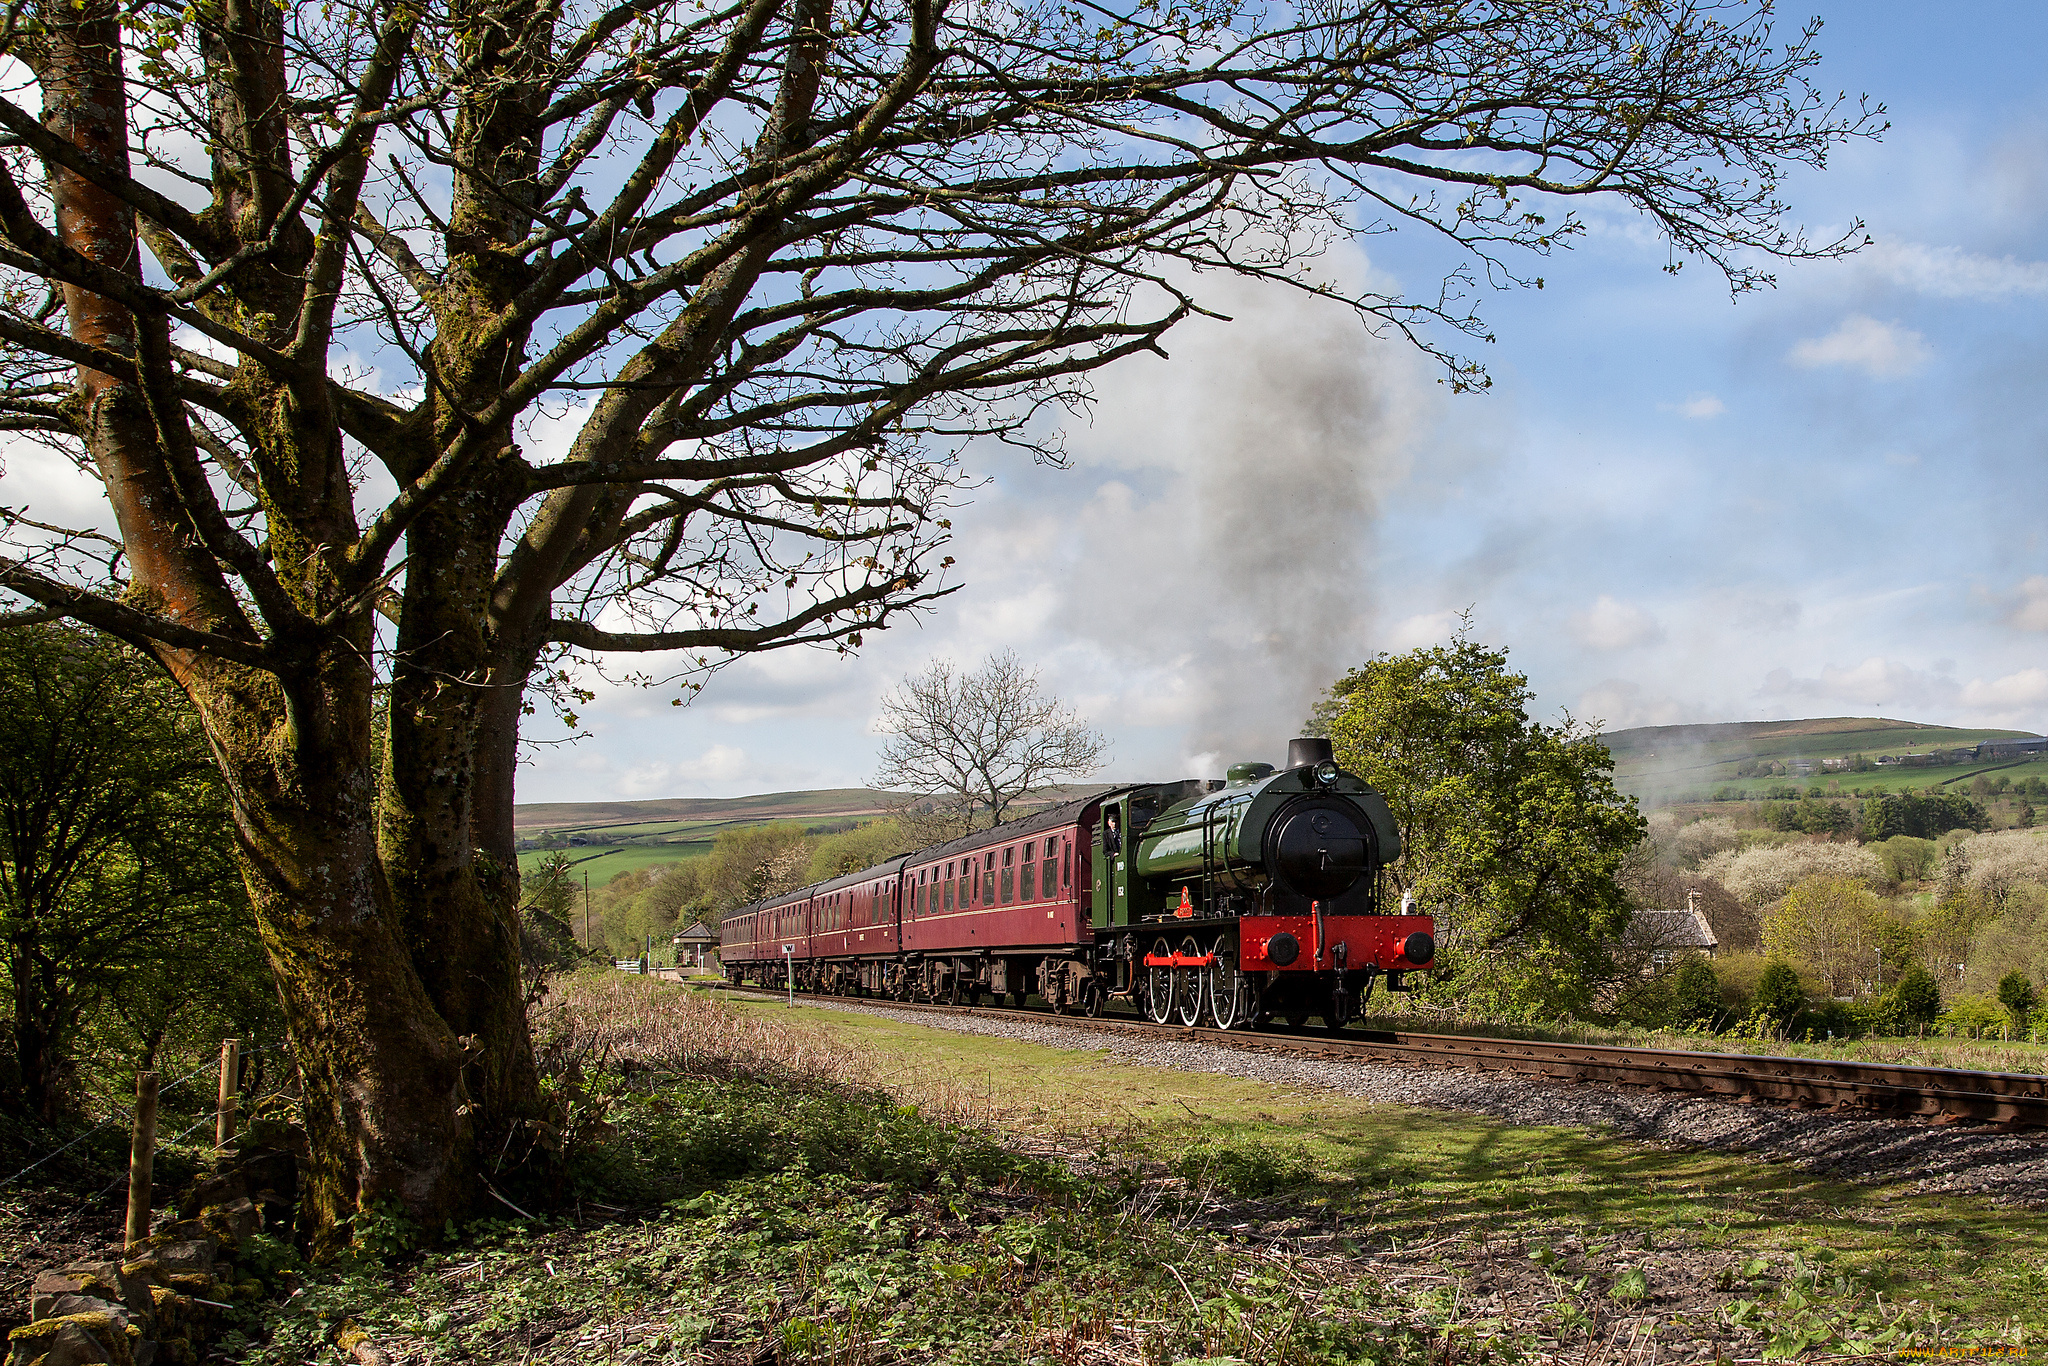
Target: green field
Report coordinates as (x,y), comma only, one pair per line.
(1666,763)
(605,864)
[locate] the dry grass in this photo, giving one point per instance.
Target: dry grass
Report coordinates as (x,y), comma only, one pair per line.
(592,1020)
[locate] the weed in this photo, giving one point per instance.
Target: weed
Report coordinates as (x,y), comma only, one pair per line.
(1244,1170)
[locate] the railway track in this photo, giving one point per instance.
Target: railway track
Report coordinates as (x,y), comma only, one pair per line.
(1945,1095)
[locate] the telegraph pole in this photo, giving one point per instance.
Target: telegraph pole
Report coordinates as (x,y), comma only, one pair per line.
(586,909)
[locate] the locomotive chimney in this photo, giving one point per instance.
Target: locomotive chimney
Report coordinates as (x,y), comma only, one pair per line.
(1304,752)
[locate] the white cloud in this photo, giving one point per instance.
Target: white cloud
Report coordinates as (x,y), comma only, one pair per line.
(1611,624)
(1619,704)
(1880,350)
(1952,273)
(1422,630)
(44,484)
(2027,688)
(2030,604)
(1876,682)
(1700,407)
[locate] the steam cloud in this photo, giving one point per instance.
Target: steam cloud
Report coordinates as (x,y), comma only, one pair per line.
(1236,549)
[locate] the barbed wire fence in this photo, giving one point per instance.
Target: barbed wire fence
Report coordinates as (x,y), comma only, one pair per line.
(233,1065)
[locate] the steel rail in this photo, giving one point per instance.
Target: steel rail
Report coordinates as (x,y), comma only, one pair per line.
(2007,1099)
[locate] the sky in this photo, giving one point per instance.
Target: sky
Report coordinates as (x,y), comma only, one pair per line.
(1824,499)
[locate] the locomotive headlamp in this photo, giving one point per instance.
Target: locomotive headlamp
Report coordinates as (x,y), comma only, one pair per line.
(1326,772)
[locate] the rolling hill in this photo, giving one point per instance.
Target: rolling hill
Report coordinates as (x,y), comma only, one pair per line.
(1669,762)
(620,836)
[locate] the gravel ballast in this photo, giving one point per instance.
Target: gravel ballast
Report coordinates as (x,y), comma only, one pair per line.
(2010,1168)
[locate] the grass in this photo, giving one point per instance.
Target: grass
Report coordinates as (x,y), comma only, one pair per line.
(750,1183)
(1401,1176)
(602,864)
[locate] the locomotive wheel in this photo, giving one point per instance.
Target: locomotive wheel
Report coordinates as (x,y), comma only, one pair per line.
(1159,985)
(1193,1002)
(1338,1012)
(1223,996)
(1159,994)
(1231,998)
(1296,1019)
(1091,998)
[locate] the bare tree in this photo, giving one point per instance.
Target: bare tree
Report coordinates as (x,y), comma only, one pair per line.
(767,264)
(981,741)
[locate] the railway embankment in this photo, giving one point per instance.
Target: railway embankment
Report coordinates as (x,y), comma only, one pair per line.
(1895,1154)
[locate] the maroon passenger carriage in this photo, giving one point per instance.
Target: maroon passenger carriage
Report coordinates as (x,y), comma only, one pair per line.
(1222,903)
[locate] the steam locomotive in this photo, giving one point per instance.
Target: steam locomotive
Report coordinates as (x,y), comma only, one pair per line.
(1200,902)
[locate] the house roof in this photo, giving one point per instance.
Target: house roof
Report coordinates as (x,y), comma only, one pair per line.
(697,931)
(1679,929)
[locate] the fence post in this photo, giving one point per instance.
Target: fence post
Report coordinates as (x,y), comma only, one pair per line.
(230,1093)
(141,1157)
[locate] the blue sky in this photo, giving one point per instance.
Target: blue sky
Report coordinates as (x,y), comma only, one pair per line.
(1827,499)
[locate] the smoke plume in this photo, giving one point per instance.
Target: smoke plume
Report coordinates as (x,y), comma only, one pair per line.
(1228,559)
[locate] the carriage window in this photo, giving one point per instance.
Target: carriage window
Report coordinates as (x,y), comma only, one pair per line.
(1049,871)
(1027,889)
(1009,884)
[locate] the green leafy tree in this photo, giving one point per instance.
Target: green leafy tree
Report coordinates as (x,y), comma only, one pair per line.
(1512,831)
(749,862)
(2016,994)
(1915,997)
(547,937)
(1899,946)
(1695,993)
(118,886)
(1780,999)
(649,906)
(862,847)
(1832,927)
(1926,815)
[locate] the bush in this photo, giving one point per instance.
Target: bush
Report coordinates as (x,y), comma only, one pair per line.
(2016,994)
(1906,858)
(1877,1015)
(1779,1000)
(1248,1171)
(1915,999)
(1975,1016)
(1695,994)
